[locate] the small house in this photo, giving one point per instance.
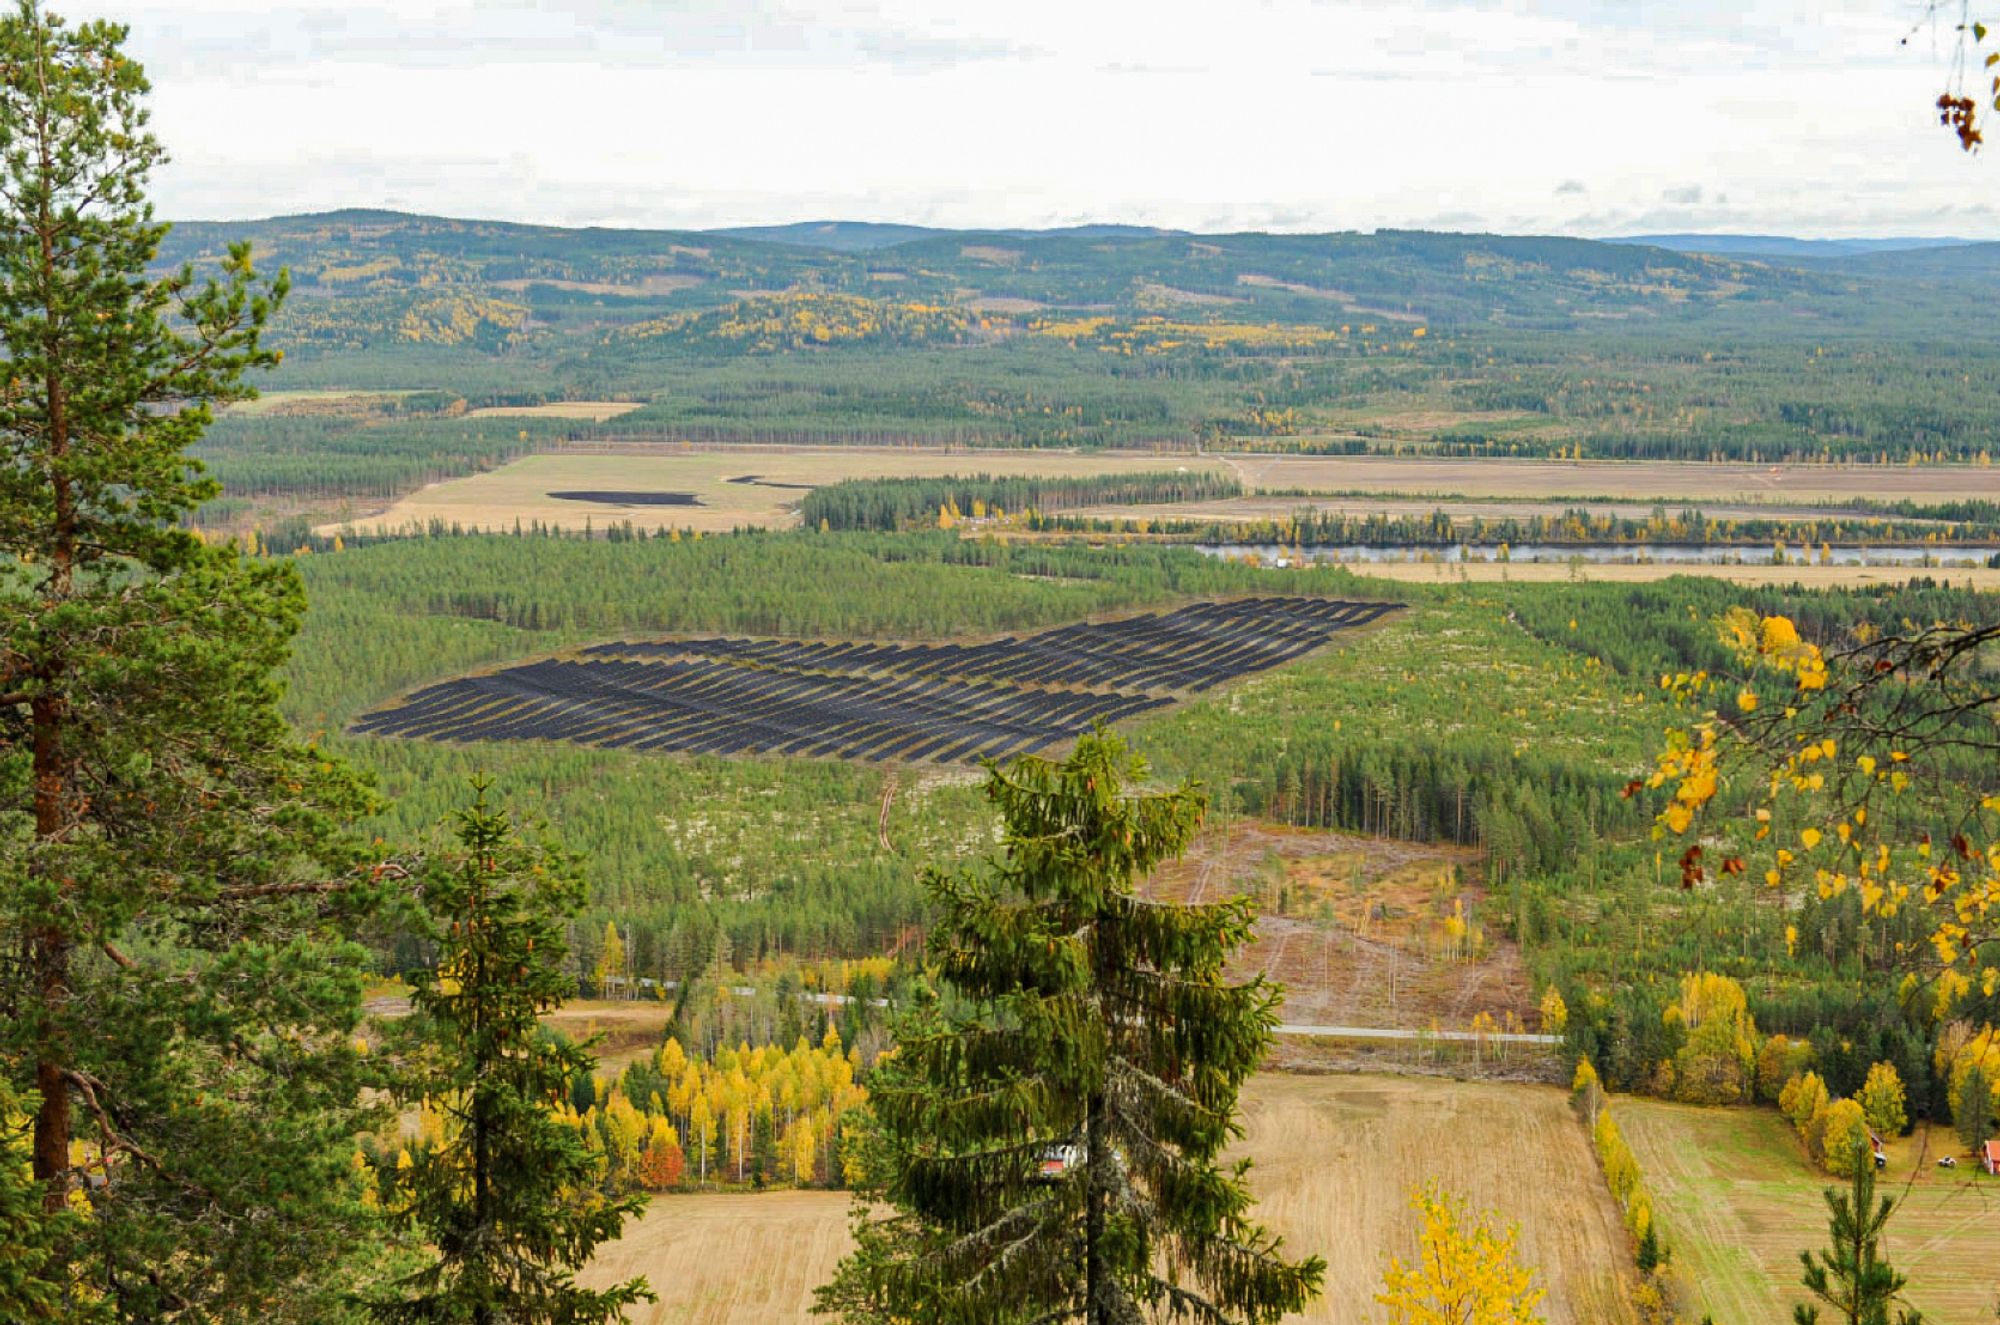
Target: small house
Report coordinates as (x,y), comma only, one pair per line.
(1989,1156)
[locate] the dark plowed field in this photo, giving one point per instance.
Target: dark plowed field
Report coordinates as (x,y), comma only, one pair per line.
(940,703)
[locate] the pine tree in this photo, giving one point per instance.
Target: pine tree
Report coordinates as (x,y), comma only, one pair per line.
(1850,1275)
(1095,1024)
(175,887)
(509,1199)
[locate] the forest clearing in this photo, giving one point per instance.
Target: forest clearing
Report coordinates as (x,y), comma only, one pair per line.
(1737,1199)
(730,489)
(1360,931)
(1335,1158)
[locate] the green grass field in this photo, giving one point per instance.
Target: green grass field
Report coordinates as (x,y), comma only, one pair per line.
(1738,1202)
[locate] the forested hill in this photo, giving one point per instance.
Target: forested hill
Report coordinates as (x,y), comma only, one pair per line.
(370,279)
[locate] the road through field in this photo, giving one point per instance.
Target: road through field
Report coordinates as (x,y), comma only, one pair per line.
(1336,1159)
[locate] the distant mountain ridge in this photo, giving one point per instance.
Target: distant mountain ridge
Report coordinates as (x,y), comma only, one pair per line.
(365,280)
(869,236)
(1784,246)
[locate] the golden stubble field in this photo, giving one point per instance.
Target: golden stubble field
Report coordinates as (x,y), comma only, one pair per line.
(1336,1157)
(735,489)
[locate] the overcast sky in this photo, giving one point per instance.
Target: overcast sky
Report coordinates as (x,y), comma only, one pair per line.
(1591,117)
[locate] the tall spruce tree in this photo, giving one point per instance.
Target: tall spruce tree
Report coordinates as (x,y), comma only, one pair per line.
(1053,1140)
(175,883)
(1851,1275)
(509,1200)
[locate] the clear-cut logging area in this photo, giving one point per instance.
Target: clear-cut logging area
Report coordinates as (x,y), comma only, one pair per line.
(936,703)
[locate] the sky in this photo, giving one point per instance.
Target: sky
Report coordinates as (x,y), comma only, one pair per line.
(1584,117)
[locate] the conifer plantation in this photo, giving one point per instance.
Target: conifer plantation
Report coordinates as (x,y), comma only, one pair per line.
(1051,1142)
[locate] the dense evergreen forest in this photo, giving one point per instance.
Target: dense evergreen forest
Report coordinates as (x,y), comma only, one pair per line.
(1508,717)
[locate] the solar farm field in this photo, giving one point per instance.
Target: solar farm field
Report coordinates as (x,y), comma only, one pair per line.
(938,703)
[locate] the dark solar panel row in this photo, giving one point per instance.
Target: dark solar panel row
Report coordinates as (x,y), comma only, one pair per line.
(1194,648)
(858,700)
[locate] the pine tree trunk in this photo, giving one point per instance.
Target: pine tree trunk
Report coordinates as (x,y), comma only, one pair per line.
(51,949)
(47,715)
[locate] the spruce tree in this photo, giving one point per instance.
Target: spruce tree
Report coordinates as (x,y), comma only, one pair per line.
(1972,1115)
(1851,1276)
(508,1201)
(1079,1015)
(176,888)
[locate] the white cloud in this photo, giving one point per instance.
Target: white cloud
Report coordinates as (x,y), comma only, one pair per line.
(1223,114)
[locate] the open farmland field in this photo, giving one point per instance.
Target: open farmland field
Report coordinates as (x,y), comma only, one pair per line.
(1336,1157)
(1633,480)
(596,411)
(311,402)
(1738,1202)
(946,703)
(728,489)
(1252,510)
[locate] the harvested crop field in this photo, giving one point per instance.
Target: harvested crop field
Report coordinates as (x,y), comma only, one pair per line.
(1738,1203)
(1238,510)
(736,488)
(1639,480)
(1336,1157)
(916,703)
(596,411)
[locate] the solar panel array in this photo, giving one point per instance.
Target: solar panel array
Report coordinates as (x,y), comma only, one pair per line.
(940,703)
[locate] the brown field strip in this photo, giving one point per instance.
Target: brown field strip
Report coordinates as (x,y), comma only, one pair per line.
(1336,1157)
(1236,510)
(594,410)
(1738,1203)
(1634,479)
